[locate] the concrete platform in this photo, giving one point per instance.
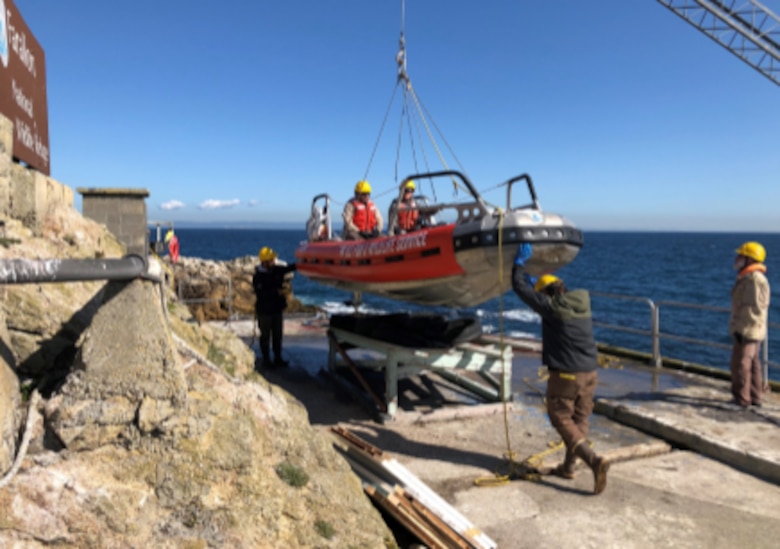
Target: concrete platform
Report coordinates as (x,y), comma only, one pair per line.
(701,418)
(690,470)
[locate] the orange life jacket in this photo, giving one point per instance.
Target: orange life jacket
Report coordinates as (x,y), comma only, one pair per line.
(364,217)
(752,267)
(407,215)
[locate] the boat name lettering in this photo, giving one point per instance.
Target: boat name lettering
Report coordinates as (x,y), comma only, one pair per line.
(410,241)
(383,247)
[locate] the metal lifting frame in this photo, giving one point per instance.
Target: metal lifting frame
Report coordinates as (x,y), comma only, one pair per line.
(480,356)
(746,28)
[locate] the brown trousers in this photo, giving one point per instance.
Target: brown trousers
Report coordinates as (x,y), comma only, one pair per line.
(747,386)
(570,403)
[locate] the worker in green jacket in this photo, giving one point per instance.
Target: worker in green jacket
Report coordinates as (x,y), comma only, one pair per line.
(570,354)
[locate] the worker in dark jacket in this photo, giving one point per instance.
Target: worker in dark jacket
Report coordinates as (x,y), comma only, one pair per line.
(570,354)
(268,281)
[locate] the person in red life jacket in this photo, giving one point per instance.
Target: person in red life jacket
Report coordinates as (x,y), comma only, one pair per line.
(403,215)
(268,281)
(362,219)
(173,245)
(748,323)
(569,351)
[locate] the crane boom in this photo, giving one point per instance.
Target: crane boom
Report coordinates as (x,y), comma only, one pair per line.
(746,28)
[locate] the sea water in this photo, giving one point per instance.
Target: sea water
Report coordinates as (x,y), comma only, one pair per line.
(668,268)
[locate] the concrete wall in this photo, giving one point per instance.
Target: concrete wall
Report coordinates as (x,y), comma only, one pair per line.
(29,196)
(123,211)
(26,194)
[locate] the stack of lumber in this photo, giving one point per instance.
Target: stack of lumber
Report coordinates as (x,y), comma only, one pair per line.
(393,488)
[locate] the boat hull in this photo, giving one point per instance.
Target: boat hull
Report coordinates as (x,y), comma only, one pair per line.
(454,265)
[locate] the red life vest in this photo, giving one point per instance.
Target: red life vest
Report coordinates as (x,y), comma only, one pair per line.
(407,215)
(364,217)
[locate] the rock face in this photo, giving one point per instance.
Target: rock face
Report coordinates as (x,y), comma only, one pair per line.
(213,290)
(9,400)
(154,431)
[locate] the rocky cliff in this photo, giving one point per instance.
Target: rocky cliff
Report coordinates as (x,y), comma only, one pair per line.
(126,423)
(215,290)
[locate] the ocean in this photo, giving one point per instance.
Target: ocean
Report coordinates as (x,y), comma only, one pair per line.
(666,267)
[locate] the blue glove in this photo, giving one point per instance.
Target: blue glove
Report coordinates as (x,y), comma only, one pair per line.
(523,254)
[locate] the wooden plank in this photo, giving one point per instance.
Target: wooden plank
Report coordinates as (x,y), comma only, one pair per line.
(370,479)
(636,451)
(439,506)
(392,472)
(454,540)
(395,508)
(356,441)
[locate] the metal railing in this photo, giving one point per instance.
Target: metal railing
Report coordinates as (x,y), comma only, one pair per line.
(656,335)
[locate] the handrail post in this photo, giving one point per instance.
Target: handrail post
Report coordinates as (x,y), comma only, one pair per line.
(655,322)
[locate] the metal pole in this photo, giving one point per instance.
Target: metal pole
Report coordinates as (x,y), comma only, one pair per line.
(655,322)
(22,271)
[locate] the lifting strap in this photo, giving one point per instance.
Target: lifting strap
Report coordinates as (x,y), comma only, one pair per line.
(418,124)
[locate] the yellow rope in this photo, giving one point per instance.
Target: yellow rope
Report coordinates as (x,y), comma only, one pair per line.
(528,469)
(514,468)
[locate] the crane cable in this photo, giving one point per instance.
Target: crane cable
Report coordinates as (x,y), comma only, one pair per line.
(525,469)
(410,97)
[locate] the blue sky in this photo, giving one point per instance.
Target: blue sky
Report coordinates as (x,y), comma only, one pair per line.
(625,116)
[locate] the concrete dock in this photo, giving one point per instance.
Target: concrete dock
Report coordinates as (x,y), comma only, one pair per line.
(689,468)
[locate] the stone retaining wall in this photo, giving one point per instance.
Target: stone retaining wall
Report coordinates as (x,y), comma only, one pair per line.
(26,194)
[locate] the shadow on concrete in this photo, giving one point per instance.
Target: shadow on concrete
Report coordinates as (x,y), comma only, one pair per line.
(714,408)
(392,442)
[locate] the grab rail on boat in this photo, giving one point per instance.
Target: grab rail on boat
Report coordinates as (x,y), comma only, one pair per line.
(477,197)
(656,335)
(535,201)
(452,173)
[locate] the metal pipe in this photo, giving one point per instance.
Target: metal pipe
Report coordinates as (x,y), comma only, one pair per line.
(23,271)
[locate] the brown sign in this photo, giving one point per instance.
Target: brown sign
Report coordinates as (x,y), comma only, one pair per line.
(23,88)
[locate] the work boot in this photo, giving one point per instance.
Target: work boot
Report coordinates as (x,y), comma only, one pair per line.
(598,464)
(566,469)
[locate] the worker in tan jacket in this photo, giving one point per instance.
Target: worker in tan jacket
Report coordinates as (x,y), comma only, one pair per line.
(748,323)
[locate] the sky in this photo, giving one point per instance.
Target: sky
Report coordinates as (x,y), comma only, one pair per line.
(625,116)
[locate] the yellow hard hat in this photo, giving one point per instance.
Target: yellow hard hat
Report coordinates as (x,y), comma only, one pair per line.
(753,250)
(544,281)
(410,185)
(363,187)
(266,254)
(168,235)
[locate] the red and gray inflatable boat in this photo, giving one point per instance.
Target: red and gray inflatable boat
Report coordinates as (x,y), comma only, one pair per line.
(460,256)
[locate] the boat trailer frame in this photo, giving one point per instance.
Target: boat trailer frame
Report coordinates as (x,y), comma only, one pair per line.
(480,355)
